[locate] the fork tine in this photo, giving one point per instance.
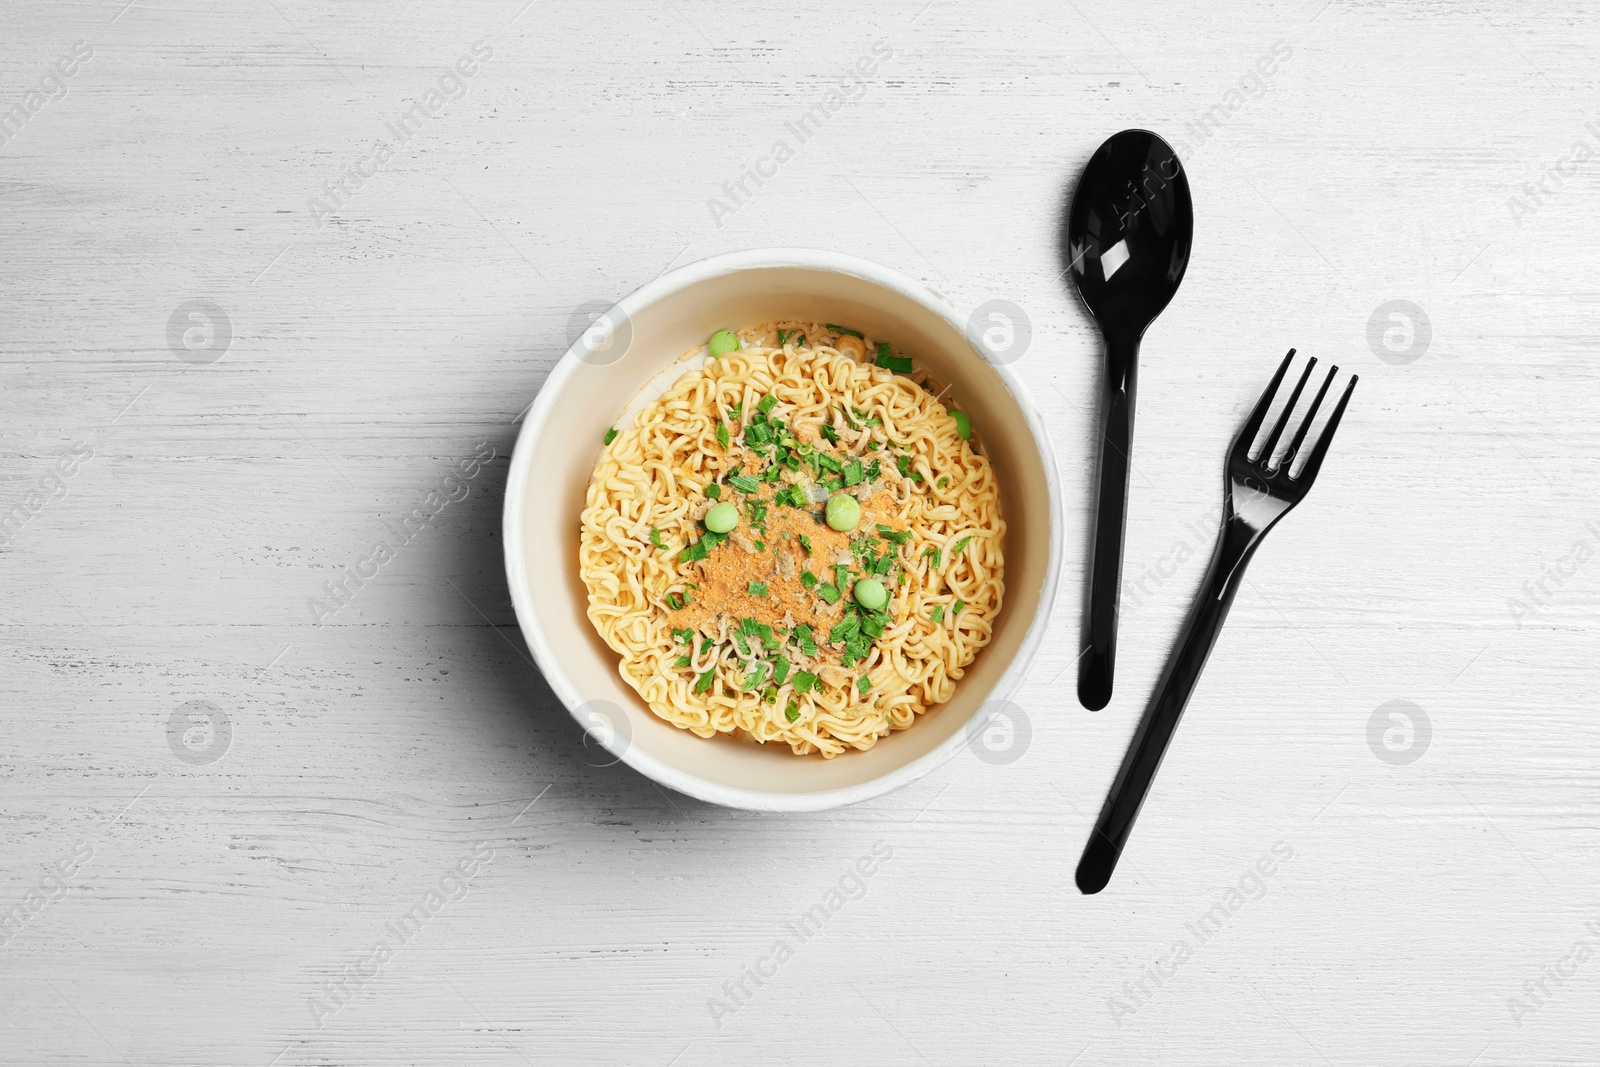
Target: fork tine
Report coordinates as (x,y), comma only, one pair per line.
(1314,461)
(1283,418)
(1305,425)
(1252,425)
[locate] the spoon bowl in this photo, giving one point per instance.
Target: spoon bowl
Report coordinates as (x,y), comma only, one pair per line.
(1127,242)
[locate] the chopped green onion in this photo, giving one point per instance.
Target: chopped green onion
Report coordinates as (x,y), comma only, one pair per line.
(934,552)
(744,483)
(722,434)
(847,333)
(713,491)
(936,613)
(855,649)
(780,670)
(961,544)
(805,543)
(803,682)
(864,684)
(681,661)
(792,712)
(828,593)
(830,433)
(703,683)
(853,472)
(963,424)
(768,402)
(898,364)
(957,609)
(611,435)
(808,579)
(758,589)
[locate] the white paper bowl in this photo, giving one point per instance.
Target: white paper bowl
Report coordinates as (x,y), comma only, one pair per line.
(605,374)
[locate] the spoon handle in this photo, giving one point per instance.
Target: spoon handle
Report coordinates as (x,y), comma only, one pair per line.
(1097,661)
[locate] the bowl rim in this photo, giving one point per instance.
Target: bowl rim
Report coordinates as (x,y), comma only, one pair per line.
(516,487)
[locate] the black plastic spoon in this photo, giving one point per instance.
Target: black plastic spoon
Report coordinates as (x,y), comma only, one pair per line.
(1127,244)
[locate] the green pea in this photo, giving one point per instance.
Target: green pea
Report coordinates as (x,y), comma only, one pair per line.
(722,518)
(844,512)
(963,424)
(871,594)
(723,342)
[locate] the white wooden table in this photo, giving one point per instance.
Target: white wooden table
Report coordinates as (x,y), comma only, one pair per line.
(214,808)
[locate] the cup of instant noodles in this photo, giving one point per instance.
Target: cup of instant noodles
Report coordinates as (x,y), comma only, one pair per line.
(782,530)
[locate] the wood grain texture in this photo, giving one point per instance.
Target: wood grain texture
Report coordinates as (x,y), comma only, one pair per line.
(371,756)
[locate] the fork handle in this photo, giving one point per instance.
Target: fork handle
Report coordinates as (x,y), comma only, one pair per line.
(1097,661)
(1235,546)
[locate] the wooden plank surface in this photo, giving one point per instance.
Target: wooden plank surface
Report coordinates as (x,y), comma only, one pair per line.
(183,502)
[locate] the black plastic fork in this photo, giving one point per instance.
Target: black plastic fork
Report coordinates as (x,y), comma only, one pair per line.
(1257,495)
